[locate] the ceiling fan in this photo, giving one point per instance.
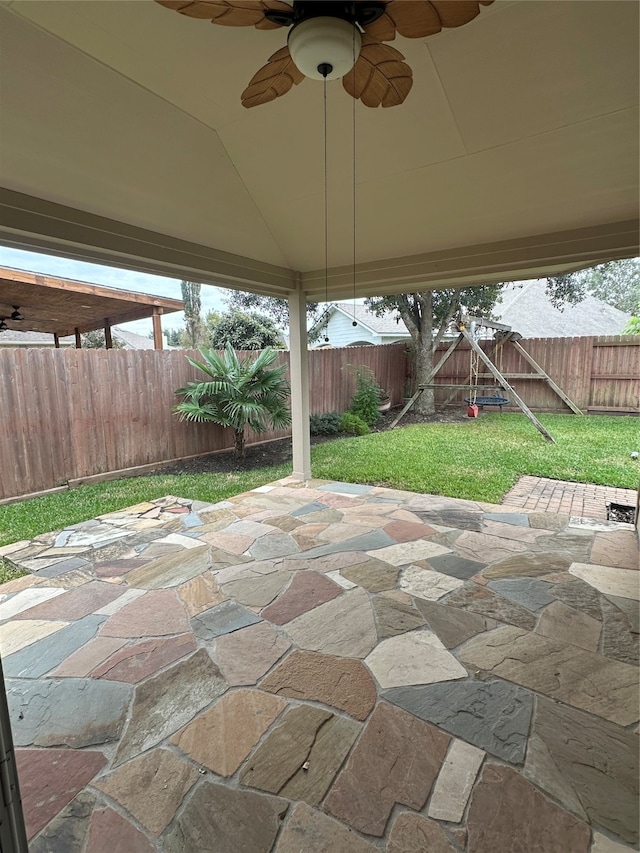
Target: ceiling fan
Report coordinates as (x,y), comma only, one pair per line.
(333,39)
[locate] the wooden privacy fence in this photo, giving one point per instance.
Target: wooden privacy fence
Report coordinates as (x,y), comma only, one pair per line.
(67,415)
(70,414)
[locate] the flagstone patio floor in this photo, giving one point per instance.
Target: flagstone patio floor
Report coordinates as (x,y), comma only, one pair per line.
(327,668)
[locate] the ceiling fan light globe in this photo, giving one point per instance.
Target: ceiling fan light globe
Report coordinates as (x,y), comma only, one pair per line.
(324,41)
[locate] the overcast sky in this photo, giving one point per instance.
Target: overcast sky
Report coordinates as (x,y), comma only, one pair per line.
(212,297)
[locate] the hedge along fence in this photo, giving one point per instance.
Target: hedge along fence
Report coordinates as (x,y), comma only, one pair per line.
(68,415)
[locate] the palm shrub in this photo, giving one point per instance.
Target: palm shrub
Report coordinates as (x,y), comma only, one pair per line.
(238,393)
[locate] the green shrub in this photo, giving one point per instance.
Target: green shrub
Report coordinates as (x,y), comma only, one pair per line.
(366,399)
(353,425)
(328,423)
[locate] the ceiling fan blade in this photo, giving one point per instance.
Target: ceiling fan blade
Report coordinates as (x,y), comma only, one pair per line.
(272,80)
(230,13)
(421,18)
(380,77)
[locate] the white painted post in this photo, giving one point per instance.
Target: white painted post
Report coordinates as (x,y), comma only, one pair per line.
(299,385)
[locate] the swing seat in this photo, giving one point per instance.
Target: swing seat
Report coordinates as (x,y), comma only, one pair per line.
(489,400)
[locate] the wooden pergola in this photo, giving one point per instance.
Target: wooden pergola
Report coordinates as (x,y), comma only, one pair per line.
(62,307)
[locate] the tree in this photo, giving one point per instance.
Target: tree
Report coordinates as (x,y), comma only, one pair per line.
(427,315)
(96,340)
(617,283)
(193,335)
(173,336)
(238,393)
(274,308)
(242,331)
(633,326)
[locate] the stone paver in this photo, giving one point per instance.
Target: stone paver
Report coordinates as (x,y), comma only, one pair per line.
(239,821)
(340,682)
(395,617)
(111,831)
(505,806)
(245,655)
(616,548)
(455,781)
(46,653)
(327,667)
(50,779)
(606,785)
(167,701)
(344,626)
(155,614)
(73,712)
(139,660)
(561,671)
(17,635)
(612,581)
(427,584)
(306,591)
(222,737)
(418,657)
(309,829)
(381,771)
(170,570)
(150,787)
(68,831)
(302,755)
(412,833)
(222,619)
(492,715)
(559,622)
(26,599)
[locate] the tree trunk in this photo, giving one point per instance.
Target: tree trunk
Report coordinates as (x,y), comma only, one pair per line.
(239,443)
(423,342)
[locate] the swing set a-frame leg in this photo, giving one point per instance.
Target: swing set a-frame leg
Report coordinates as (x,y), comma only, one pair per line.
(503,382)
(422,387)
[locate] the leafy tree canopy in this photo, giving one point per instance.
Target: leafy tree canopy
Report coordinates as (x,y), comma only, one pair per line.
(193,335)
(633,326)
(617,283)
(276,309)
(243,330)
(96,340)
(173,336)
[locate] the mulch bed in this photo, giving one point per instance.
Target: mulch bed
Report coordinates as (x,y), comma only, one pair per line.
(279,452)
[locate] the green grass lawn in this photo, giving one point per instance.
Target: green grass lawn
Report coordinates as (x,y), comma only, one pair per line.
(482,459)
(27,519)
(475,459)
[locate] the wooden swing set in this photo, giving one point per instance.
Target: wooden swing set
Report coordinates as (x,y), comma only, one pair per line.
(469,329)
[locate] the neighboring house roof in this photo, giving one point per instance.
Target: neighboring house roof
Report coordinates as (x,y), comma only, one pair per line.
(527,309)
(386,325)
(13,338)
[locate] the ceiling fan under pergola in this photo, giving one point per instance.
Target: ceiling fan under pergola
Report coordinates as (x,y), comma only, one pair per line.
(329,40)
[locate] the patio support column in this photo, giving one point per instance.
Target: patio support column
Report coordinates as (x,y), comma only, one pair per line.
(299,385)
(56,341)
(108,340)
(157,327)
(78,338)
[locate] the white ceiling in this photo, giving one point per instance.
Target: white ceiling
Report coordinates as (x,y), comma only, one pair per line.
(514,155)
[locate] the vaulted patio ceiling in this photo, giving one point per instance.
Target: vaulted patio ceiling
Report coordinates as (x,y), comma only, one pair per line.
(515,155)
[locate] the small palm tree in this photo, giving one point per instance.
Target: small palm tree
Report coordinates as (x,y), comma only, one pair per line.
(239,393)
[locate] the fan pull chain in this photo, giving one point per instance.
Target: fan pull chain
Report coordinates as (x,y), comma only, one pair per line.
(326,211)
(354,323)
